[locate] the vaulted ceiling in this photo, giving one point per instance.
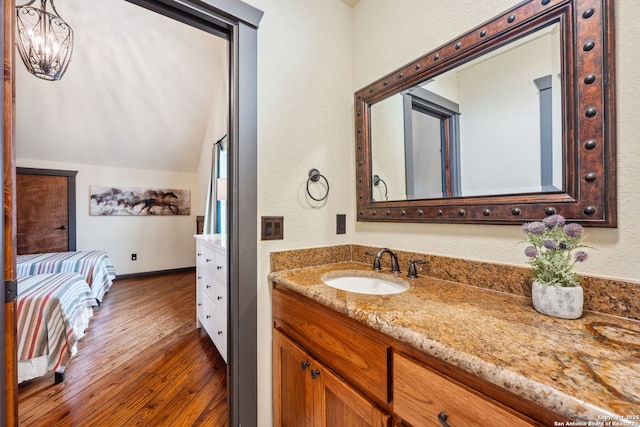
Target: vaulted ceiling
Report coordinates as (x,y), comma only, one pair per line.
(350,2)
(138,91)
(137,94)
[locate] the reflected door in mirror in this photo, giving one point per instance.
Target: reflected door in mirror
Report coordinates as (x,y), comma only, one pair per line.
(490,126)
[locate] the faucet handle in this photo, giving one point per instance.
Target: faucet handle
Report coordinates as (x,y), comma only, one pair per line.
(413,271)
(376,261)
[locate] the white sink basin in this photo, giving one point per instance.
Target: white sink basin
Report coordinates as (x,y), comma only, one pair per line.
(363,283)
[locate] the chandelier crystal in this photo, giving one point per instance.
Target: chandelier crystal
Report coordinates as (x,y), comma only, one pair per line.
(44,40)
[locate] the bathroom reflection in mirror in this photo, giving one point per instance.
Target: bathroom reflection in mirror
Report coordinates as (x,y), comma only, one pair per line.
(460,133)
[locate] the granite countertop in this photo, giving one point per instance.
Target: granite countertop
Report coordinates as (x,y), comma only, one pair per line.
(587,369)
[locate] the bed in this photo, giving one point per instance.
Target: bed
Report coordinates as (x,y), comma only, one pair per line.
(94,266)
(53,312)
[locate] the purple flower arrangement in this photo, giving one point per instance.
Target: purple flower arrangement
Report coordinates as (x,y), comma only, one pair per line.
(551,248)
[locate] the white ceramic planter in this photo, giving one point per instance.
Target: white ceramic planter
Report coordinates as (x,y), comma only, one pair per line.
(565,303)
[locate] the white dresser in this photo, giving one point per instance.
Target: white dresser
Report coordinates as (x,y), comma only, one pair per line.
(211,288)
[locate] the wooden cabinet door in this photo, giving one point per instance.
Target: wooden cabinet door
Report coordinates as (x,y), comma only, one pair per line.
(339,404)
(306,393)
(292,388)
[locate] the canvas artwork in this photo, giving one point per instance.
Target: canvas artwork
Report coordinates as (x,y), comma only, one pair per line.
(139,201)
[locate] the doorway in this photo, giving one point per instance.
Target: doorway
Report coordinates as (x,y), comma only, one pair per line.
(237,21)
(46,210)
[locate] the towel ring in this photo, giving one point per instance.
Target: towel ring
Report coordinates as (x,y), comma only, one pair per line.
(314,176)
(377,181)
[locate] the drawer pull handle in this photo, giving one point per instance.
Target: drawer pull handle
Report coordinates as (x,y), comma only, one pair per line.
(304,365)
(208,260)
(199,254)
(208,316)
(199,304)
(219,267)
(219,298)
(315,373)
(220,332)
(208,286)
(442,417)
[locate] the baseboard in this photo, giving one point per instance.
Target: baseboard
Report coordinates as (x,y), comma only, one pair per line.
(155,273)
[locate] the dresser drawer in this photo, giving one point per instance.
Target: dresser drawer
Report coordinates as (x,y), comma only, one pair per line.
(219,333)
(208,285)
(220,296)
(219,267)
(421,396)
(206,313)
(204,255)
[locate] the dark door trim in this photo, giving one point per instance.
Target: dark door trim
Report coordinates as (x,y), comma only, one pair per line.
(71,196)
(237,21)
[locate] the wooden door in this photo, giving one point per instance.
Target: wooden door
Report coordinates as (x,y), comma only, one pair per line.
(45,211)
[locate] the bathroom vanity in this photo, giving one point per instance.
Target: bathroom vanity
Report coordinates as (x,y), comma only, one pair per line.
(442,353)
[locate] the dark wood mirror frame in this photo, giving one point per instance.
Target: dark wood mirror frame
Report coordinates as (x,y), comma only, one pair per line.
(587,37)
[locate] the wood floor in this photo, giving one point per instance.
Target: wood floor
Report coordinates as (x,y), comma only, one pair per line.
(142,362)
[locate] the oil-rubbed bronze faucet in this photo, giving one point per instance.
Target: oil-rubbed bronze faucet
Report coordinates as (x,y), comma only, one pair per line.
(395,269)
(412,273)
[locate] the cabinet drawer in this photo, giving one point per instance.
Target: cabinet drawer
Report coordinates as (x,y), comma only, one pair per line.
(204,255)
(218,332)
(207,285)
(219,267)
(220,296)
(421,396)
(206,313)
(199,306)
(358,357)
(215,323)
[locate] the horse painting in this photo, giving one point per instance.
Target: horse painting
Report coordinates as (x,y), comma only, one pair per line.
(138,201)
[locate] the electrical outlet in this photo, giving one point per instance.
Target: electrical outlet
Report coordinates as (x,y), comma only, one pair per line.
(134,257)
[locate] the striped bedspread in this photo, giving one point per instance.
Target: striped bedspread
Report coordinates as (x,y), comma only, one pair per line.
(95,266)
(53,313)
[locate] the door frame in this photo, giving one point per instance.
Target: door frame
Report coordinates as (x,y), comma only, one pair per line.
(240,22)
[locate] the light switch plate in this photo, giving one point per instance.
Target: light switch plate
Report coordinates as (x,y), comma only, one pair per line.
(272,228)
(341,224)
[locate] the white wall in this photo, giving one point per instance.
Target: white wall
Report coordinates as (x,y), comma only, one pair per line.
(387,153)
(309,66)
(161,242)
(494,96)
(305,120)
(217,123)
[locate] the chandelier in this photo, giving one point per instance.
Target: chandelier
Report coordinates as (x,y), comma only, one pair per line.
(44,40)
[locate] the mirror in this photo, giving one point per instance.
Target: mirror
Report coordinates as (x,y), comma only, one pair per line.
(509,122)
(444,123)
